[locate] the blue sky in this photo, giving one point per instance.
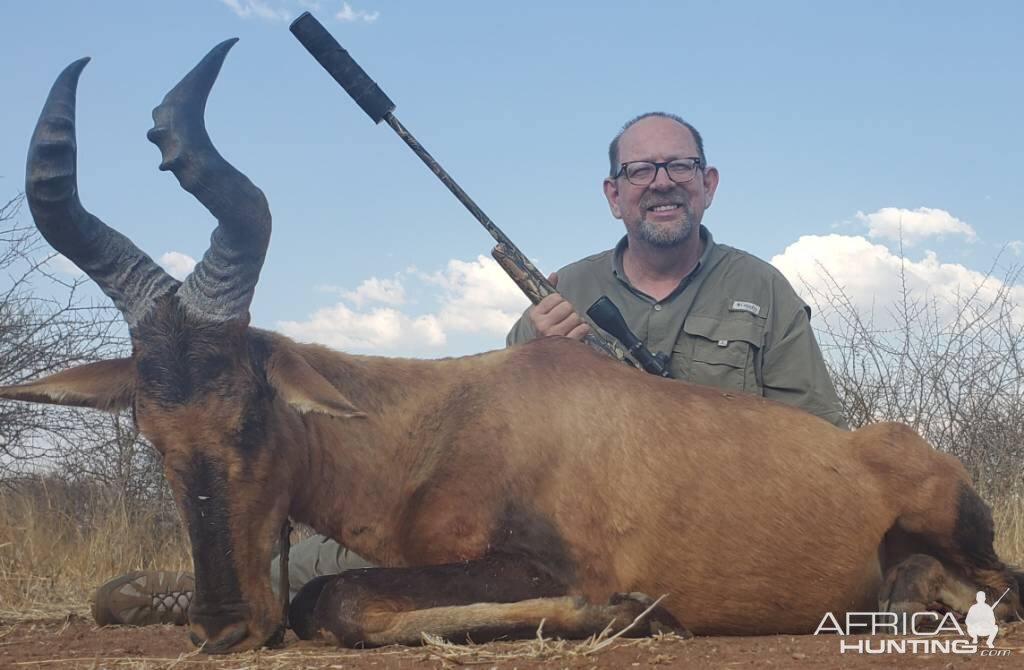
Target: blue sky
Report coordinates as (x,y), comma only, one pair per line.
(831,123)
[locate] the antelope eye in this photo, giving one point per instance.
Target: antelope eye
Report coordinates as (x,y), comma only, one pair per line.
(150,369)
(214,366)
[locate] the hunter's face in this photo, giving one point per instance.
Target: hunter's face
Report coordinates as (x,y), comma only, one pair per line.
(663,213)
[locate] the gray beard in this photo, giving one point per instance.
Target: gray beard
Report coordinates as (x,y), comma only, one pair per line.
(666,238)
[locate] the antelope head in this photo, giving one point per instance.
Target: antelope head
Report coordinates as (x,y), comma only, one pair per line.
(217,399)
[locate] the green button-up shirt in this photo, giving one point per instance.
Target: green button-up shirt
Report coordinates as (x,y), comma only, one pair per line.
(733,323)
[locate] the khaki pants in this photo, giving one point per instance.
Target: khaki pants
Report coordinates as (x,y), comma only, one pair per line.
(315,556)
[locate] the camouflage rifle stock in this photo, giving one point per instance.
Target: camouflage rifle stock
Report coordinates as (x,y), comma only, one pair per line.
(536,287)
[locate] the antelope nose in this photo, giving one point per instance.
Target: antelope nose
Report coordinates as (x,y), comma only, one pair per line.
(226,637)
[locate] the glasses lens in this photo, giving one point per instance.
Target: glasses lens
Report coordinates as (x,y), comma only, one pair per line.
(640,172)
(681,170)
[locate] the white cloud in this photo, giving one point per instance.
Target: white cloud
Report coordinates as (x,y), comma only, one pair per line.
(387,291)
(177,264)
(914,225)
(346,13)
(477,296)
(381,328)
(466,297)
(281,11)
(259,9)
(870,274)
(60,263)
(1016,246)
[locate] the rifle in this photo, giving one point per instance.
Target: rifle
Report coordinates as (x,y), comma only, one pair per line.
(379,107)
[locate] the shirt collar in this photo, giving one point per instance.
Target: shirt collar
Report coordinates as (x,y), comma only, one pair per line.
(705,236)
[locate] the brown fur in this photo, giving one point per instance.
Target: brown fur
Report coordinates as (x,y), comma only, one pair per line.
(753,517)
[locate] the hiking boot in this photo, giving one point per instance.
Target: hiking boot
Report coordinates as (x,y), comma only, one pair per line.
(143,598)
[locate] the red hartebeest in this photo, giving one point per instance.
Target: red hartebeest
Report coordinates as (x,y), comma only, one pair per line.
(539,482)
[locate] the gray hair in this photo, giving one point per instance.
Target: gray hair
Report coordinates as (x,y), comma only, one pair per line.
(613,148)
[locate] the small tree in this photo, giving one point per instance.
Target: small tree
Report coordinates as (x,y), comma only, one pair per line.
(46,325)
(951,369)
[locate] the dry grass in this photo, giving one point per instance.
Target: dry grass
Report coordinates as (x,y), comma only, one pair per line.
(58,544)
(1009,517)
(538,649)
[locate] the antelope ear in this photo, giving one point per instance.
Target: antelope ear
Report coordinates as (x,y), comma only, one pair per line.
(305,389)
(105,385)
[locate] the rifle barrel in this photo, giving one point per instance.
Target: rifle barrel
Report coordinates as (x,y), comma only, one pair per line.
(544,286)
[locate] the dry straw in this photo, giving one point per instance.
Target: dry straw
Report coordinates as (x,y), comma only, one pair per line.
(57,544)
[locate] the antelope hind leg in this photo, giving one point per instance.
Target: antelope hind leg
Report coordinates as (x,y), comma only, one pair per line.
(476,601)
(922,583)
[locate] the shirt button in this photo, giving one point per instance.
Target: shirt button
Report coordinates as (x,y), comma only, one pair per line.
(657,307)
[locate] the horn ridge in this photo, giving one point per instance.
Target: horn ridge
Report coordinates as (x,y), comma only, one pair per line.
(221,286)
(51,187)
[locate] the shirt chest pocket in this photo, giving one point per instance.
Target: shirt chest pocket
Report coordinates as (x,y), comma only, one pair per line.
(724,353)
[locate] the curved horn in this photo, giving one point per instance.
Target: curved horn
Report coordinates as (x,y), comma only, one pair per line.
(127,275)
(221,286)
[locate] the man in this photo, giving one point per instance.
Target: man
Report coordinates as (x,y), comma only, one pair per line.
(726,319)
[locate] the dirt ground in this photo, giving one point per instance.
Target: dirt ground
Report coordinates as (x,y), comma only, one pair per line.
(76,642)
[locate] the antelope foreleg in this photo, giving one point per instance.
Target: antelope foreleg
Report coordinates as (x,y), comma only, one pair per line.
(476,601)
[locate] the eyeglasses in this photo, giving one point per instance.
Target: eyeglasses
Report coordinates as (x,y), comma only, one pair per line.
(642,173)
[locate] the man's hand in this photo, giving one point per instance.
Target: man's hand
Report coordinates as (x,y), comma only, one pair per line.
(555,316)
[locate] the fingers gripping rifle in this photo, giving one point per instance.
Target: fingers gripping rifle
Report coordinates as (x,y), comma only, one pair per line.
(341,66)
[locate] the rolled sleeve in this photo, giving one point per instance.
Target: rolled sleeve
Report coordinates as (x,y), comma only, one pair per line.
(522,331)
(794,371)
